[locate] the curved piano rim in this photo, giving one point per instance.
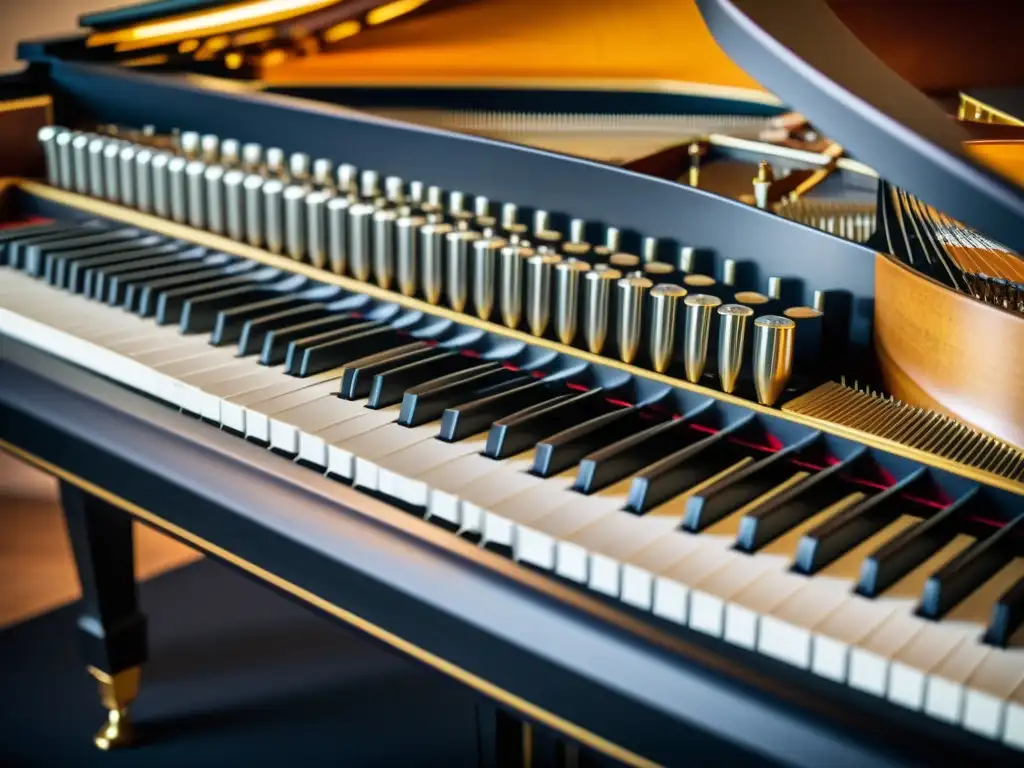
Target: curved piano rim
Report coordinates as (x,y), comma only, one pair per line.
(597,668)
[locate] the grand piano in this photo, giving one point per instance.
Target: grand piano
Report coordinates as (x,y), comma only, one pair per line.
(651,369)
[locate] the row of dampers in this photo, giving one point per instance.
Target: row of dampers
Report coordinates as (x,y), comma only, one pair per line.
(564,295)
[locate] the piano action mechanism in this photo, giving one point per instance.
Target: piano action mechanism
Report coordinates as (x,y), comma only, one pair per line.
(724,391)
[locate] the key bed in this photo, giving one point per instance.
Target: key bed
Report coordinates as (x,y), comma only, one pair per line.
(696,510)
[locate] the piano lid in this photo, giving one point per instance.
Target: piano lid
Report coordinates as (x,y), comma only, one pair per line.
(847,86)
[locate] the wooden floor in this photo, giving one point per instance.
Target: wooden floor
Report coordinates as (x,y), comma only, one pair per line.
(37,571)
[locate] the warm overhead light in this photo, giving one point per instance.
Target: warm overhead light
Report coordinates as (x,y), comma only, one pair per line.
(231,19)
(341,31)
(393,10)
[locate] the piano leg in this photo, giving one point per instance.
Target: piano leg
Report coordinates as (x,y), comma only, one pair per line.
(505,741)
(111,627)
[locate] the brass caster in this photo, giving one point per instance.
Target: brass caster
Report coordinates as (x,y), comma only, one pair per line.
(117,691)
(117,733)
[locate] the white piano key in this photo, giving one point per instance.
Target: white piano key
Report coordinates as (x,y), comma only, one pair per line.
(640,569)
(965,622)
(710,595)
(464,488)
(371,446)
(990,690)
(540,542)
(1013,726)
(324,410)
(404,474)
(745,609)
(499,523)
(870,661)
(843,630)
(340,461)
(259,412)
(945,688)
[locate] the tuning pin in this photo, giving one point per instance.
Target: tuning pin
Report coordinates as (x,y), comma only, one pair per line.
(394,190)
(732,330)
(775,287)
(510,282)
(65,163)
(540,221)
(252,157)
(80,163)
(275,162)
(47,136)
(252,193)
(195,193)
(694,151)
(189,144)
(317,244)
(510,223)
(762,184)
(658,270)
(624,261)
(773,356)
(417,192)
(347,179)
(539,269)
(432,251)
(360,225)
(457,210)
(407,235)
(819,301)
(323,173)
(273,215)
(230,153)
(577,231)
(567,298)
(213,179)
(177,185)
(97,184)
(126,174)
(547,240)
(234,203)
(337,234)
(807,338)
(729,272)
(457,267)
(664,304)
(485,255)
(597,306)
(209,146)
(649,250)
(577,251)
(697,333)
(295,221)
(298,168)
(629,309)
(369,185)
(384,247)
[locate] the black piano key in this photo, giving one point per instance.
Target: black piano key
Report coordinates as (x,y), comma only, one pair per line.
(56,263)
(841,533)
(629,455)
(199,313)
(144,298)
(94,278)
(969,570)
(17,247)
(293,356)
(277,341)
(686,468)
(24,232)
(334,354)
(520,431)
(1007,616)
(34,255)
(561,451)
(797,503)
(250,340)
(119,284)
(389,385)
(426,402)
(170,304)
(897,557)
(357,380)
(474,417)
(227,326)
(731,492)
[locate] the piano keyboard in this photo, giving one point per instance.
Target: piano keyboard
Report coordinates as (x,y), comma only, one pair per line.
(869,570)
